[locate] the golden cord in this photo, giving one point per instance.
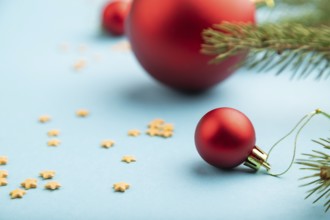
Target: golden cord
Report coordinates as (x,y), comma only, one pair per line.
(300,126)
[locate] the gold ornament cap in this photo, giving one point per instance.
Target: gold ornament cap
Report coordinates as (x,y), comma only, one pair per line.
(257,159)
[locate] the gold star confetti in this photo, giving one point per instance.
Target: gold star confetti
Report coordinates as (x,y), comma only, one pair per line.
(158,127)
(128,159)
(166,134)
(44,118)
(53,142)
(121,186)
(168,127)
(152,132)
(3,182)
(107,143)
(82,113)
(3,160)
(52,185)
(156,123)
(79,64)
(17,193)
(47,174)
(134,133)
(29,183)
(3,173)
(122,46)
(53,133)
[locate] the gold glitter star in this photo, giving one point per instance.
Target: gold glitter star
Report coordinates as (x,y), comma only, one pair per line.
(3,173)
(128,159)
(134,133)
(3,182)
(17,193)
(53,133)
(156,123)
(168,127)
(47,174)
(3,160)
(158,127)
(120,186)
(166,134)
(79,64)
(121,46)
(152,132)
(53,142)
(107,143)
(44,118)
(52,185)
(29,183)
(82,113)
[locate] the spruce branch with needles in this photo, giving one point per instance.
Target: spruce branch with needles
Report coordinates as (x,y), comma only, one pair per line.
(300,43)
(319,162)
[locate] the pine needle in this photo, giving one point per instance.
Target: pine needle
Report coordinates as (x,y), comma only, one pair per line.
(319,161)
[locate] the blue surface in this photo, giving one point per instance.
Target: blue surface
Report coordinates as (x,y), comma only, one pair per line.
(169,179)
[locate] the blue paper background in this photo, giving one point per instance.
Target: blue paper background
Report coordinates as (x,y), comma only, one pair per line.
(169,180)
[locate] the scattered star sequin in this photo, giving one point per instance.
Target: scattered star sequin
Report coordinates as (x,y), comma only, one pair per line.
(3,181)
(53,143)
(121,186)
(158,127)
(53,133)
(53,185)
(152,132)
(82,113)
(128,159)
(79,65)
(134,133)
(44,118)
(3,160)
(3,173)
(29,183)
(47,174)
(107,143)
(17,193)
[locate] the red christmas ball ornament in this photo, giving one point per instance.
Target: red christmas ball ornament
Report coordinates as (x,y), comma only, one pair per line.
(225,138)
(165,36)
(114,16)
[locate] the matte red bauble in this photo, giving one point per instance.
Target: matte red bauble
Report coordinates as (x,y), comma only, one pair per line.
(165,36)
(225,138)
(114,16)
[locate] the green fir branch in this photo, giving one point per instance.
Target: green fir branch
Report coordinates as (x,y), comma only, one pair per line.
(316,12)
(298,42)
(319,162)
(272,46)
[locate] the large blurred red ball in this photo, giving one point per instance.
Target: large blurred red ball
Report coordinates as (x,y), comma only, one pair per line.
(224,137)
(166,38)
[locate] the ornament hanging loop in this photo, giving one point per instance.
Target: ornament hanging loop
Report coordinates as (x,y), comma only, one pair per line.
(300,126)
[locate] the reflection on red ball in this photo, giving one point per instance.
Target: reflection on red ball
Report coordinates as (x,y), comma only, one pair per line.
(165,36)
(224,137)
(114,16)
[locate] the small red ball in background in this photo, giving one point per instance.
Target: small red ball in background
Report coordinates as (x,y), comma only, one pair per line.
(114,16)
(224,137)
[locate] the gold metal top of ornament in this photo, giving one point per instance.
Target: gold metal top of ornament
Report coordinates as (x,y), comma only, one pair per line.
(256,159)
